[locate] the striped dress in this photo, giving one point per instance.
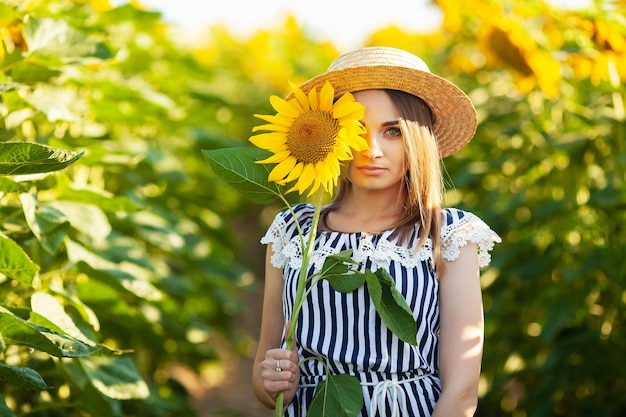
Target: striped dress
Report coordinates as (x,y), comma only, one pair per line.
(344,330)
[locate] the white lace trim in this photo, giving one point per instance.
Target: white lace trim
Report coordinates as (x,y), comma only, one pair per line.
(468,229)
(454,236)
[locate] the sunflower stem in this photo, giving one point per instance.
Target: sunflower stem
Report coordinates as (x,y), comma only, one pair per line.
(300,289)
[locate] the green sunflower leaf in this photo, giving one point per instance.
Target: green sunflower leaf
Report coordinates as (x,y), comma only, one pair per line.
(5,411)
(22,377)
(337,272)
(238,167)
(55,38)
(20,158)
(17,331)
(337,396)
(115,377)
(391,305)
(15,263)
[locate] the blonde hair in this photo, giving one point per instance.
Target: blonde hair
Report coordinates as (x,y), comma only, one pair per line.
(423,181)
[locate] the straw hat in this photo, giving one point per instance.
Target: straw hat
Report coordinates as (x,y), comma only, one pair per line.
(395,69)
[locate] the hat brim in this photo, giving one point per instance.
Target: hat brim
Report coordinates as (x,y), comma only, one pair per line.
(455,116)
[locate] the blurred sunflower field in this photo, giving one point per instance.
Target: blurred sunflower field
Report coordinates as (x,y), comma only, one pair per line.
(124,259)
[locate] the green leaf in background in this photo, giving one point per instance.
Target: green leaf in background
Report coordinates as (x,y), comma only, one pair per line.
(119,276)
(50,37)
(337,272)
(106,201)
(7,185)
(20,158)
(15,118)
(15,263)
(33,72)
(11,86)
(88,219)
(7,14)
(157,229)
(23,377)
(49,225)
(237,167)
(337,396)
(99,404)
(17,331)
(58,104)
(115,377)
(5,411)
(69,347)
(91,399)
(48,306)
(86,313)
(391,305)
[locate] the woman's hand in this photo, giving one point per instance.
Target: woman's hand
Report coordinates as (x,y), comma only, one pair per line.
(280,373)
(266,380)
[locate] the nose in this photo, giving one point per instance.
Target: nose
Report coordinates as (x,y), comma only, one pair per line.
(375,150)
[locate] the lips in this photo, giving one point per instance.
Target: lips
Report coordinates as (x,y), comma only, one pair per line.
(371,170)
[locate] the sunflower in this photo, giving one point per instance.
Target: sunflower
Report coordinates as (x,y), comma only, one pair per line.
(310,136)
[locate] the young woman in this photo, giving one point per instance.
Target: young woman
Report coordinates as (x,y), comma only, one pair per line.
(388,210)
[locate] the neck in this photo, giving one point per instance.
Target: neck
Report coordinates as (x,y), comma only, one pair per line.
(384,203)
(367,211)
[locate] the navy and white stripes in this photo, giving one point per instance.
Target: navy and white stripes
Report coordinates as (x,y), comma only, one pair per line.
(345,331)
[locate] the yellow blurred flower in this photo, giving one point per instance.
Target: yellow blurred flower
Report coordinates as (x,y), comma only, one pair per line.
(506,42)
(310,136)
(101,5)
(15,30)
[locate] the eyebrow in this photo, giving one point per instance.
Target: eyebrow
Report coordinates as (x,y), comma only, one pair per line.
(387,124)
(391,123)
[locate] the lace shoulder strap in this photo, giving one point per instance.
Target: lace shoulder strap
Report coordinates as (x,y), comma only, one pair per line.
(461,227)
(284,228)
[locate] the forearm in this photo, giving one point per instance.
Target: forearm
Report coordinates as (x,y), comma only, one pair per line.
(461,336)
(456,404)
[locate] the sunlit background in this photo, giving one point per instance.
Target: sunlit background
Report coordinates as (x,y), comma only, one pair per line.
(345,23)
(138,248)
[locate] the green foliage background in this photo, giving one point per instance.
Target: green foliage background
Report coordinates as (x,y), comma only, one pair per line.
(122,254)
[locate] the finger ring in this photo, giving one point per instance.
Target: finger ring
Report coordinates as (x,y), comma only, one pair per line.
(278,368)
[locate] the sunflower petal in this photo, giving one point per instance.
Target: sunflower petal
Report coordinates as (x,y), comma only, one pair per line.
(325,174)
(300,96)
(278,149)
(288,108)
(352,110)
(313,99)
(295,172)
(327,95)
(274,159)
(345,106)
(354,125)
(332,162)
(359,144)
(306,178)
(271,128)
(343,154)
(315,187)
(279,119)
(269,140)
(355,141)
(294,102)
(281,170)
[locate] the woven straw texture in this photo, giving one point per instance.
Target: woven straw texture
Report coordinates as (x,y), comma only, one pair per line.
(395,69)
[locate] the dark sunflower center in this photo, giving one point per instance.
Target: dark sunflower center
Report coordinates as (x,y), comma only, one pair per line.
(312,136)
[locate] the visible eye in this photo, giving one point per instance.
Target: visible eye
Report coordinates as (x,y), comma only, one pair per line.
(393,132)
